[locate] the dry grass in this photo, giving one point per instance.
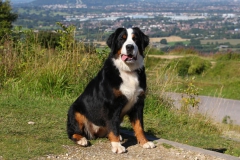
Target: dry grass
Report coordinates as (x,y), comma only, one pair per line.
(221,41)
(152,40)
(169,39)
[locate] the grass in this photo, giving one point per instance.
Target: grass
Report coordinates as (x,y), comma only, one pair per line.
(21,140)
(41,94)
(220,79)
(38,85)
(223,79)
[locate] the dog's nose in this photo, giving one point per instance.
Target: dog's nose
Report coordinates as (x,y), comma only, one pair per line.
(129,47)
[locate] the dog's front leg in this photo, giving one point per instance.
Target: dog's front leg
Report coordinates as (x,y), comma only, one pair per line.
(115,142)
(136,119)
(113,122)
(113,125)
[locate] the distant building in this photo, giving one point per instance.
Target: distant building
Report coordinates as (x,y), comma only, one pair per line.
(223,47)
(229,15)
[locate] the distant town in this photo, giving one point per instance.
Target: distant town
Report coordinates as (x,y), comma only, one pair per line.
(213,19)
(170,21)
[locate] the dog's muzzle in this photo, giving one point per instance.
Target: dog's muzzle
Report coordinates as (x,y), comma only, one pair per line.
(129,57)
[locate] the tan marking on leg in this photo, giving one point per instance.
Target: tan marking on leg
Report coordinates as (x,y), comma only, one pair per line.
(80,119)
(85,125)
(102,132)
(77,137)
(113,138)
(117,93)
(139,133)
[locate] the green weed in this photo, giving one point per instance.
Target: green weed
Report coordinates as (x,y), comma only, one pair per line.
(189,97)
(167,146)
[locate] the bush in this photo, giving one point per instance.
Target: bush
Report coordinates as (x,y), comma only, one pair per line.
(182,67)
(163,41)
(190,66)
(49,39)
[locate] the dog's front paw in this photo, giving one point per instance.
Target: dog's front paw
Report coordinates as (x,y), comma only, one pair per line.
(149,145)
(117,147)
(83,142)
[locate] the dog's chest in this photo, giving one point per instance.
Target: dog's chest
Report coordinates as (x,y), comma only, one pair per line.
(130,88)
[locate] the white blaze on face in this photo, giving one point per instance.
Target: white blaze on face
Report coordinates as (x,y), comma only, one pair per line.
(126,63)
(130,41)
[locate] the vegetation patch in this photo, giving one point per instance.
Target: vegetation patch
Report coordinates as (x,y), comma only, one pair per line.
(45,135)
(38,84)
(167,145)
(190,66)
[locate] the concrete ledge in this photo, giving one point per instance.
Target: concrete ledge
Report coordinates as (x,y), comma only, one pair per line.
(214,107)
(184,146)
(199,150)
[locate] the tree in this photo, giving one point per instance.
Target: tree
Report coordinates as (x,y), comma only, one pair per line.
(6,18)
(195,42)
(163,41)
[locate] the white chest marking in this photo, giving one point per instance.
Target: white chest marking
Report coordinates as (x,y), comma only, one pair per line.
(130,88)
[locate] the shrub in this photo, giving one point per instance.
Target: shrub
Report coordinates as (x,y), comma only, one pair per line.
(49,39)
(189,97)
(163,41)
(190,66)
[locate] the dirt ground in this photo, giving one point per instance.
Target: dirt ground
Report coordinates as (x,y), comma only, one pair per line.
(101,149)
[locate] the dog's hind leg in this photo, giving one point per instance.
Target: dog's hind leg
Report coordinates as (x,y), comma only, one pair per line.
(82,141)
(75,128)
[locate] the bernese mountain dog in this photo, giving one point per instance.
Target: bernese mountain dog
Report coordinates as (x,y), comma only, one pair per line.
(117,90)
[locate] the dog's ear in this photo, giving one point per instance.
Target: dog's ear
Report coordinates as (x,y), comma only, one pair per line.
(145,41)
(113,37)
(145,38)
(110,40)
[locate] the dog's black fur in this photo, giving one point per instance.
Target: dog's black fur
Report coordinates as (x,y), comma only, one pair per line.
(102,102)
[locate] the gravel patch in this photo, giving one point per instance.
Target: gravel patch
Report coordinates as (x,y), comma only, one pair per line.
(101,150)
